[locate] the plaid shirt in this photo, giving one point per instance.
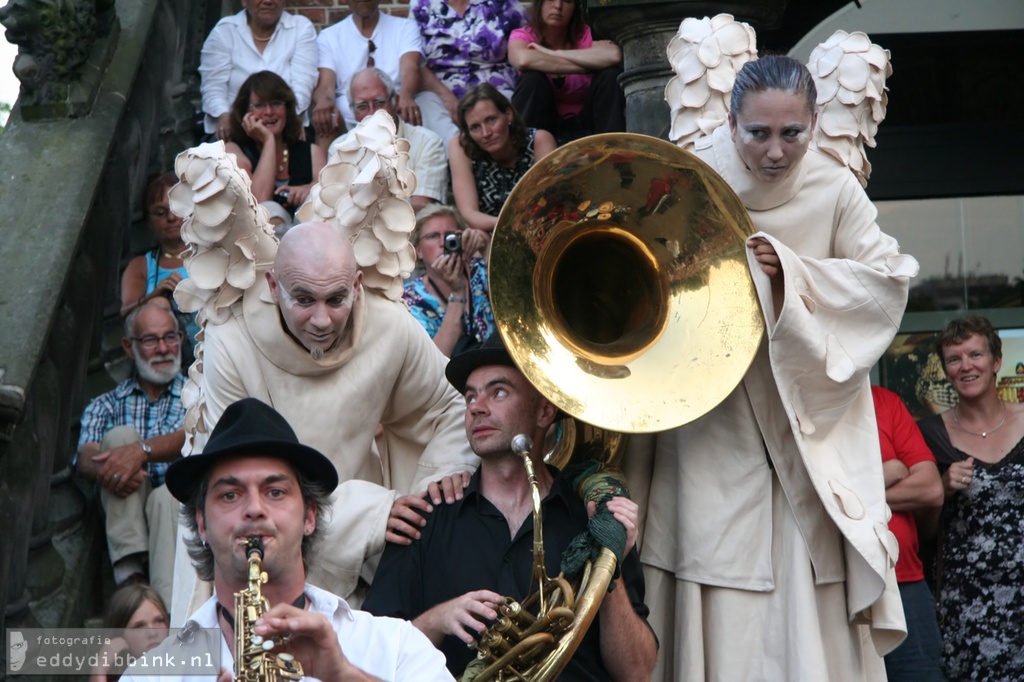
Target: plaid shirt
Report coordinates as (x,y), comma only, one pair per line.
(128,405)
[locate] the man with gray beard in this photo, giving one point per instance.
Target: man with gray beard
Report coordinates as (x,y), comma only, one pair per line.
(129,436)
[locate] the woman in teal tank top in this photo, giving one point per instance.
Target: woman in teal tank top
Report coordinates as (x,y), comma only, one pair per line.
(157,272)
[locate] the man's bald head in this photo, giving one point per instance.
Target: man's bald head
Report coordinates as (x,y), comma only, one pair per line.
(309,243)
(315,284)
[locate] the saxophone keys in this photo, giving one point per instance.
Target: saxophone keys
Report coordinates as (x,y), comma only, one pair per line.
(288,667)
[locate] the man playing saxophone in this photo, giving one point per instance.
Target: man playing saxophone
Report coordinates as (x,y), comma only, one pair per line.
(256,493)
(465,556)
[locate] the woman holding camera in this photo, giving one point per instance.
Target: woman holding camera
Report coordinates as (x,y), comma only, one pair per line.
(451,298)
(266,140)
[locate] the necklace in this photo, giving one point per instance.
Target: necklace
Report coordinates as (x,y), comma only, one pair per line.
(983,434)
(284,160)
(174,256)
(258,39)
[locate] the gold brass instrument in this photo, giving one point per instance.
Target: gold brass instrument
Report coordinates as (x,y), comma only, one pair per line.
(255,660)
(620,286)
(619,283)
(522,645)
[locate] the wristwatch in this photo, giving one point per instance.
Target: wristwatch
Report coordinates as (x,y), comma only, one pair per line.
(146,448)
(454,298)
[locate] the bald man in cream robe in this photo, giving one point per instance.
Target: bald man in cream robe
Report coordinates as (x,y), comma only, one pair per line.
(383,369)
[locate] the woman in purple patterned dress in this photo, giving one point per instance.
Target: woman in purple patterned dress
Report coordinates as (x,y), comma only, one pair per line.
(465,42)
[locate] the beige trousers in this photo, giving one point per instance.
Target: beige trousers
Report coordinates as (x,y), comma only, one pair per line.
(145,521)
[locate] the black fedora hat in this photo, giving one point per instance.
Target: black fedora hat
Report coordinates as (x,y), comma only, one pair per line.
(491,352)
(249,427)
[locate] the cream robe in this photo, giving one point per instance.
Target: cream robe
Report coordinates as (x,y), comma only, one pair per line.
(387,371)
(718,516)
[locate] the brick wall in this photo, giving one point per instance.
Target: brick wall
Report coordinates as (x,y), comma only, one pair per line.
(327,12)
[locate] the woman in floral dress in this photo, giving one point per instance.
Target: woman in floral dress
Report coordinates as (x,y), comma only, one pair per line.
(451,299)
(980,445)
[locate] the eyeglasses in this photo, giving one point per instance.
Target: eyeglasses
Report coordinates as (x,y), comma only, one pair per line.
(369,54)
(273,104)
(377,104)
(152,341)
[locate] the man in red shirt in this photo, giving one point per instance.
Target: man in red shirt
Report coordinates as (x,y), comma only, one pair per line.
(912,487)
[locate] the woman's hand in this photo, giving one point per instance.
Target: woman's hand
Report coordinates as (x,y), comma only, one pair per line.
(166,286)
(254,128)
(958,476)
(452,270)
(474,242)
(766,256)
(297,194)
(537,47)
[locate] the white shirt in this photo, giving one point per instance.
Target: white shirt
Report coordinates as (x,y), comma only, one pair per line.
(345,51)
(229,56)
(427,159)
(389,648)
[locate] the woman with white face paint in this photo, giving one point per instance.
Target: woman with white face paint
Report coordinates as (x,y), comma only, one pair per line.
(795,564)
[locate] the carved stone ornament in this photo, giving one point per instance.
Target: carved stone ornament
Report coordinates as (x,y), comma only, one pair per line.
(63,49)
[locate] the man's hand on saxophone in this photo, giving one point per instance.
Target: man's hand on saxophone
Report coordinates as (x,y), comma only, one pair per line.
(312,641)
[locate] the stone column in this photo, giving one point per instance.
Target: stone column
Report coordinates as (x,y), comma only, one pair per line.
(643,28)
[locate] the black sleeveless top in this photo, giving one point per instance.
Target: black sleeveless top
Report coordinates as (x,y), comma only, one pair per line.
(300,160)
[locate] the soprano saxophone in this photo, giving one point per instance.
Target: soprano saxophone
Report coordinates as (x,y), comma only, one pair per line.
(255,660)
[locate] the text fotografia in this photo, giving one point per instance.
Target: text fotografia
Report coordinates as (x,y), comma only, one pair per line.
(86,651)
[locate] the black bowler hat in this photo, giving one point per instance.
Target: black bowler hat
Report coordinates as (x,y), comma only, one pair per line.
(491,352)
(249,427)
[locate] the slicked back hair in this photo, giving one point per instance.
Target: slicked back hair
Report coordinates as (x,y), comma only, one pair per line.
(773,72)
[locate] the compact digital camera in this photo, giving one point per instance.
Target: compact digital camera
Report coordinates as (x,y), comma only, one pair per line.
(452,242)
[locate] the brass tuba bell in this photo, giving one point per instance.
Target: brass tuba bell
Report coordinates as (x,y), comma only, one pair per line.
(620,285)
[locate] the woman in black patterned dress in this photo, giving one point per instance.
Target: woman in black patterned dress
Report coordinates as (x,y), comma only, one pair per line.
(979,445)
(493,150)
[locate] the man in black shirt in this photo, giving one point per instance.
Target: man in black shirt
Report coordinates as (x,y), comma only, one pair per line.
(468,554)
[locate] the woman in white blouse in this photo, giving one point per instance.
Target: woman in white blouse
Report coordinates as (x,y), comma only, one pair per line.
(262,37)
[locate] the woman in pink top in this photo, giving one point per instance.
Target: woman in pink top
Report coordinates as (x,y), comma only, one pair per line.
(568,83)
